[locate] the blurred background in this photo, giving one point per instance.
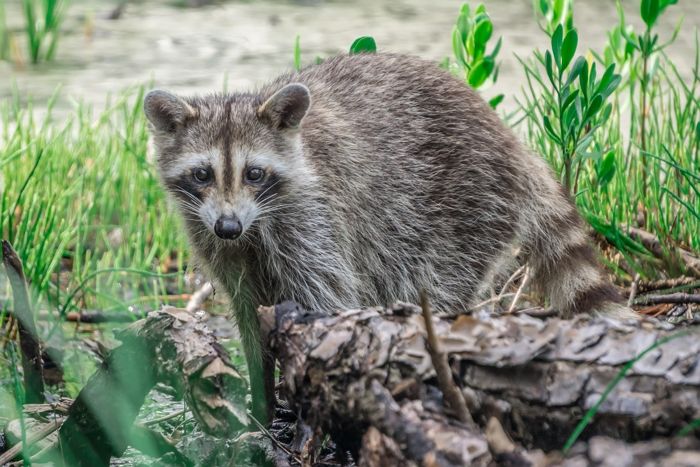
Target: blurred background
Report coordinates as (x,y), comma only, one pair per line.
(201,45)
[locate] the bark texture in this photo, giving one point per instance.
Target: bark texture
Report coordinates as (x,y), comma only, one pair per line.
(366,377)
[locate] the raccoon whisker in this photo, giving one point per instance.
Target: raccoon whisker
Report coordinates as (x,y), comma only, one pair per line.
(269,188)
(192,199)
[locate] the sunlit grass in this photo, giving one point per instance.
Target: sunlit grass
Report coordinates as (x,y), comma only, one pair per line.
(81,196)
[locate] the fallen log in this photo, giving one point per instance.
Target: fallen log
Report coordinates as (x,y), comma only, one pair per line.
(170,346)
(366,378)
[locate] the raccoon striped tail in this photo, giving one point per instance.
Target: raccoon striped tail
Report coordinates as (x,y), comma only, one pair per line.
(563,262)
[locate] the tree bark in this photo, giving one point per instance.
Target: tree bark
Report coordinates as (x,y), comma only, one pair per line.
(366,378)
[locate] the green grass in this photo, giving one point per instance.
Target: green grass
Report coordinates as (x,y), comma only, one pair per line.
(622,175)
(82,196)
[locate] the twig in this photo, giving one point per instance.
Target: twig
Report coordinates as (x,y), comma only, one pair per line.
(274,440)
(490,301)
(453,396)
(683,281)
(199,297)
(165,418)
(523,284)
(33,437)
(538,312)
(510,280)
(652,243)
(671,298)
(633,290)
(31,350)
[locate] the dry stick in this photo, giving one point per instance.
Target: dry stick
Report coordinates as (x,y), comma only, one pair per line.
(199,297)
(32,438)
(633,290)
(649,286)
(510,280)
(652,243)
(490,301)
(453,396)
(671,298)
(31,350)
(523,284)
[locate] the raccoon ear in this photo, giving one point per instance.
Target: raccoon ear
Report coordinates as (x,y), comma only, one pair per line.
(287,107)
(166,111)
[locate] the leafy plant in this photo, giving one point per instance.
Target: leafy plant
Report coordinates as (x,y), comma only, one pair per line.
(579,106)
(616,184)
(647,45)
(470,37)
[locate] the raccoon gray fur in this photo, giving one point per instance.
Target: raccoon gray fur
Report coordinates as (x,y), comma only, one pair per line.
(379,175)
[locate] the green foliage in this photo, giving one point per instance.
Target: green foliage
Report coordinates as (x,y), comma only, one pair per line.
(553,13)
(4,34)
(364,44)
(81,197)
(577,105)
(43,21)
(625,163)
(470,37)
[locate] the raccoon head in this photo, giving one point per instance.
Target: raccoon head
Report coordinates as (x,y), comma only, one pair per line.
(226,159)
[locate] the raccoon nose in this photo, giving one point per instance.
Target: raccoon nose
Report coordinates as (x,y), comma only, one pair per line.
(228,227)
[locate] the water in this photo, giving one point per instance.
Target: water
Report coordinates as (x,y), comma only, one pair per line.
(242,44)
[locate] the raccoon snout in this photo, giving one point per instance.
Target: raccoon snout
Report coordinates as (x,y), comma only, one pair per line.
(228,227)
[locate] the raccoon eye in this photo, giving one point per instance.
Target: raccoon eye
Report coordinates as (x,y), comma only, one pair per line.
(254,174)
(201,174)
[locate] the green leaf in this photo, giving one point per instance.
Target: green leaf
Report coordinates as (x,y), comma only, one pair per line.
(482,32)
(479,72)
(697,132)
(569,100)
(493,102)
(496,49)
(364,44)
(548,67)
(458,47)
(557,39)
(606,169)
(463,25)
(583,80)
(596,104)
(650,12)
(550,131)
(568,48)
(575,70)
(297,54)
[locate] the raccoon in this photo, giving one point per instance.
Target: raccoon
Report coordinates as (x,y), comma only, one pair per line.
(361,181)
